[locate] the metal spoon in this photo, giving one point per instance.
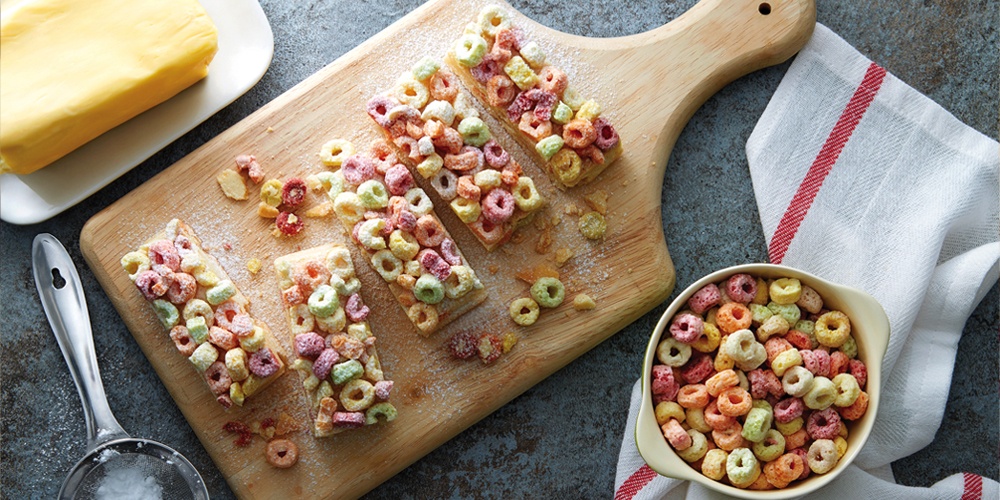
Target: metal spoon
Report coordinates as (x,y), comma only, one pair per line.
(110,450)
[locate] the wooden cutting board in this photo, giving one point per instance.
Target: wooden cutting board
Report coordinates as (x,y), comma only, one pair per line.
(648,84)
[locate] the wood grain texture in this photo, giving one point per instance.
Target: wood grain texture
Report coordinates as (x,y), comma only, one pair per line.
(649,84)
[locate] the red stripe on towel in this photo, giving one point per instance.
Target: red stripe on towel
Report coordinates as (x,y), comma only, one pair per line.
(824,162)
(973,486)
(638,480)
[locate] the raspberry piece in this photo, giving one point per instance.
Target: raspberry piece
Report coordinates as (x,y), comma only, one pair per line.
(289,223)
(464,344)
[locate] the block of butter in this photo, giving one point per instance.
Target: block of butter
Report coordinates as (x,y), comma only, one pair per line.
(74,69)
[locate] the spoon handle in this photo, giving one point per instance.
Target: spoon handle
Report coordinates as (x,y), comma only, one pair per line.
(61,293)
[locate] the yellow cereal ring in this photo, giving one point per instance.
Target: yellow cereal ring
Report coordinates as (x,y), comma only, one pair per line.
(526,196)
(492,19)
(333,153)
(135,263)
(665,410)
(521,74)
(357,395)
(566,165)
(785,291)
(524,311)
(832,329)
(349,208)
(466,209)
(411,92)
(424,316)
(589,110)
(710,339)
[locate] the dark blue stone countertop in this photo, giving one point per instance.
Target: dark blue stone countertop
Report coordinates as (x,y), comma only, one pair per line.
(561,437)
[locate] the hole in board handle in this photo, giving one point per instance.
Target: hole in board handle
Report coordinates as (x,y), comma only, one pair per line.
(764,8)
(57,280)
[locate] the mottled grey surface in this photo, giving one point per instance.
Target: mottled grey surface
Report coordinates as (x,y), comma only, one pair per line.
(562,437)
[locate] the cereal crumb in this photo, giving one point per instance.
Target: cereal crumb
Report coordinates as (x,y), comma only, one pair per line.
(254,265)
(494,269)
(571,209)
(583,302)
(270,129)
(593,226)
(313,182)
(227,246)
(509,341)
(324,209)
(543,270)
(556,220)
(544,242)
(267,211)
(598,201)
(232,184)
(563,255)
(518,237)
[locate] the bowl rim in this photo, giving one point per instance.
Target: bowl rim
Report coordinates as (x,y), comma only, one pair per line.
(872,338)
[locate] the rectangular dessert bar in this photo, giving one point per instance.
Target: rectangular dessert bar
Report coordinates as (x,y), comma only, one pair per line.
(394,223)
(334,346)
(438,134)
(207,317)
(534,99)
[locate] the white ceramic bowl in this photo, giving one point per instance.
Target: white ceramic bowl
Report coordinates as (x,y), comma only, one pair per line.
(870,328)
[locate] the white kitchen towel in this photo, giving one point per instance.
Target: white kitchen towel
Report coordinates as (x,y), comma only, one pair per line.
(862,180)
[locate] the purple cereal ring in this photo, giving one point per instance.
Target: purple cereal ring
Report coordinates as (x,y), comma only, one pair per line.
(348,419)
(382,389)
(498,206)
(355,309)
(150,283)
(357,169)
(429,232)
(741,288)
(182,289)
(218,378)
(687,328)
(309,345)
(263,363)
(163,252)
(704,299)
(449,252)
(607,136)
(324,361)
(434,264)
(698,368)
(823,424)
(398,180)
(816,361)
(664,384)
(788,409)
(378,107)
(496,156)
(857,368)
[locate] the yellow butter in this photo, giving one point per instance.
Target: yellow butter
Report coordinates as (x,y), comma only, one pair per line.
(72,70)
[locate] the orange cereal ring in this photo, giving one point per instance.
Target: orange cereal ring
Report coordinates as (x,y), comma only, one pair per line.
(487,231)
(693,396)
(429,232)
(592,153)
(500,91)
(450,141)
(222,338)
(182,339)
(856,410)
(182,289)
(552,79)
(579,133)
(433,129)
(796,439)
(468,158)
(444,85)
(733,317)
(729,438)
(282,453)
(467,188)
(760,484)
(784,469)
(734,401)
(721,381)
(408,146)
(533,127)
(310,275)
(715,419)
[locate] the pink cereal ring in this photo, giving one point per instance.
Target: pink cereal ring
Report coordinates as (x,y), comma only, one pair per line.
(857,368)
(816,361)
(310,275)
(498,206)
(309,345)
(150,283)
(405,221)
(487,231)
(687,328)
(509,39)
(715,419)
(704,299)
(741,288)
(823,424)
(226,312)
(552,79)
(218,378)
(222,338)
(253,169)
(325,360)
(382,389)
(182,289)
(698,368)
(607,136)
(798,339)
(429,232)
(489,67)
(496,156)
(241,325)
(163,252)
(676,435)
(293,193)
(434,264)
(378,107)
(838,363)
(788,409)
(183,245)
(664,384)
(521,104)
(693,396)
(356,310)
(449,252)
(398,180)
(357,169)
(182,340)
(263,363)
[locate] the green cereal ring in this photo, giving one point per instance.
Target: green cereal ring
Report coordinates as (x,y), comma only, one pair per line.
(428,289)
(698,448)
(593,226)
(197,328)
(771,447)
(348,208)
(387,265)
(135,263)
(790,312)
(789,428)
(338,261)
(548,291)
(562,114)
(425,68)
(167,313)
(847,388)
(493,19)
(333,153)
(763,405)
(758,421)
(526,196)
(850,347)
(524,311)
(785,290)
(571,97)
(373,195)
(384,410)
(323,302)
(822,393)
(673,353)
(311,382)
(549,146)
(474,131)
(759,313)
(254,341)
(204,356)
(833,329)
(470,49)
(348,370)
(270,192)
(221,292)
(805,326)
(522,74)
(742,467)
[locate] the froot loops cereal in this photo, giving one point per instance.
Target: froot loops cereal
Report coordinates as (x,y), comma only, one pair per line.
(534,99)
(437,133)
(206,315)
(770,401)
(334,346)
(393,222)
